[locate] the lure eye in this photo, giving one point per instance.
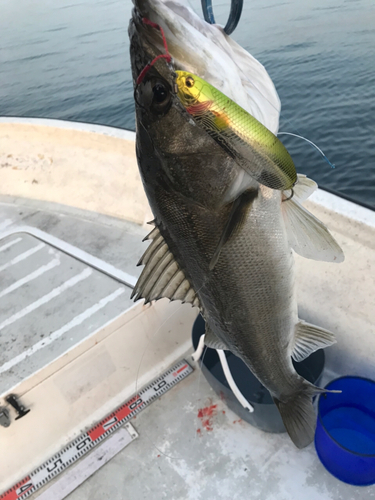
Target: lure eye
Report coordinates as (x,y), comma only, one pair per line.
(189,82)
(160,93)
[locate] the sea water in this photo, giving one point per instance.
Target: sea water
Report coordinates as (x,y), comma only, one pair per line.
(69,59)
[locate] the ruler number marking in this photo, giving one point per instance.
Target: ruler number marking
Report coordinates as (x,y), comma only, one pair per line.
(83,443)
(135,404)
(111,422)
(24,487)
(56,463)
(161,384)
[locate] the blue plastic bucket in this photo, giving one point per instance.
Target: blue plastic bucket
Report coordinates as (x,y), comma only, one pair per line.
(345,432)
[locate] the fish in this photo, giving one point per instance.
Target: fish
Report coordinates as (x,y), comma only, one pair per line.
(219,243)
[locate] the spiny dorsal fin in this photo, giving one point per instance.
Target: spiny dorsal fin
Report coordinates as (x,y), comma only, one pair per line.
(309,338)
(162,277)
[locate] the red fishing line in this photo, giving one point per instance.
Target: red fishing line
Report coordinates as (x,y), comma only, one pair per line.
(166,56)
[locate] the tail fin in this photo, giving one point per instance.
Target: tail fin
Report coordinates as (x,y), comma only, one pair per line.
(298,414)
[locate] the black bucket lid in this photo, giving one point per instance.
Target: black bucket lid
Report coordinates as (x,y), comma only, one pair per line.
(265,415)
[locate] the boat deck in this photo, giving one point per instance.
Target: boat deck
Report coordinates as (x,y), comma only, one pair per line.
(178,454)
(53,294)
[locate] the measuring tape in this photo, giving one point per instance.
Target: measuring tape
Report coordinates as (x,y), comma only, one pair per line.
(87,441)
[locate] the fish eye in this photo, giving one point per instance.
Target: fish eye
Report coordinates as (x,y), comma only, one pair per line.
(155,95)
(161,93)
(189,82)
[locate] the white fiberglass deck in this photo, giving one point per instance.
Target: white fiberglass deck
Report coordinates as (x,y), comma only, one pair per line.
(49,302)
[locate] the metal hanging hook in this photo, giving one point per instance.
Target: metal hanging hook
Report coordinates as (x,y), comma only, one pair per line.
(234,15)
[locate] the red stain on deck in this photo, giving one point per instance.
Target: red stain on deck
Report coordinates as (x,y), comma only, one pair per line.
(237,421)
(206,414)
(199,432)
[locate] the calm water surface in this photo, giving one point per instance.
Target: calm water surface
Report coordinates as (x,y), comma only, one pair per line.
(68,59)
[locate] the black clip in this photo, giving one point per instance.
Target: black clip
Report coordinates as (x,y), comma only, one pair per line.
(20,409)
(234,15)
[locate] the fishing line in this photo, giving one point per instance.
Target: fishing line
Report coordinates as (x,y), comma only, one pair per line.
(332,165)
(205,350)
(312,144)
(140,364)
(137,376)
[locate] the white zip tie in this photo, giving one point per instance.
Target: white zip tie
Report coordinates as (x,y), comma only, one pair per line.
(227,373)
(232,384)
(198,353)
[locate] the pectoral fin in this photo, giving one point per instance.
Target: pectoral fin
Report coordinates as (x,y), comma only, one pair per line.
(307,235)
(309,338)
(162,275)
(236,218)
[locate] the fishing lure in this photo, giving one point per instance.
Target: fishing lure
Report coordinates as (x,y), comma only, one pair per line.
(255,148)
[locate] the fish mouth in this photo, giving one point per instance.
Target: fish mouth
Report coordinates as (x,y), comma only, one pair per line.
(146,44)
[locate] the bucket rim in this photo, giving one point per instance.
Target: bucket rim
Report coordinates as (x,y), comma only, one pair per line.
(363,455)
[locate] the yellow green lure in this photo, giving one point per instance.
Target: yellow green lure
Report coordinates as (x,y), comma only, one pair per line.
(257,150)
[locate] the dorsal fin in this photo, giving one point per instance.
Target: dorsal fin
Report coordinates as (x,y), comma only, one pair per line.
(162,277)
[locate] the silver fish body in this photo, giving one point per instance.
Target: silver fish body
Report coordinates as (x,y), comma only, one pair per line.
(246,293)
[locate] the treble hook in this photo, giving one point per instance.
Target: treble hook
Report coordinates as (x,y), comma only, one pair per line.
(234,15)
